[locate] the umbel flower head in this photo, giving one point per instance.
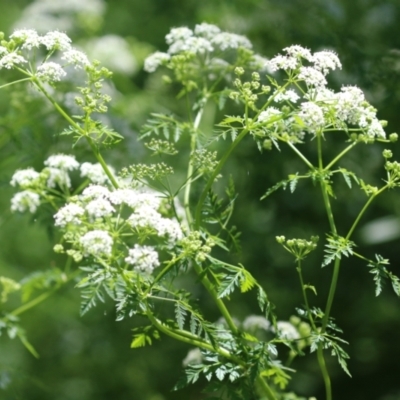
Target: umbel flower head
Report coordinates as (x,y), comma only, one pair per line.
(26,48)
(204,50)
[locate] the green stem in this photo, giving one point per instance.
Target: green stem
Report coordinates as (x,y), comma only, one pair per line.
(311,319)
(361,213)
(81,131)
(300,154)
(188,338)
(339,156)
(215,174)
(39,299)
(325,374)
(265,388)
(325,194)
(193,141)
(14,82)
(331,295)
(100,159)
(220,304)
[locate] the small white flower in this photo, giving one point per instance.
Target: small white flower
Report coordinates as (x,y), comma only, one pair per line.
(95,192)
(193,357)
(288,95)
(75,57)
(287,331)
(56,177)
(375,129)
(56,41)
(178,34)
(69,214)
(26,200)
(254,322)
(50,72)
(10,60)
(145,216)
(170,228)
(99,208)
(153,61)
(28,37)
(226,40)
(298,52)
(312,116)
(97,243)
(134,198)
(321,94)
(198,45)
(207,31)
(312,77)
(268,114)
(3,50)
(283,62)
(349,104)
(24,177)
(62,161)
(94,172)
(325,61)
(143,258)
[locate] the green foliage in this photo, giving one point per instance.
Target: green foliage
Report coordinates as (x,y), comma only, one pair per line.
(336,247)
(150,249)
(380,273)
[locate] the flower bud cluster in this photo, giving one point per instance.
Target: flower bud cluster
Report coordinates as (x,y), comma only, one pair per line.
(193,246)
(248,92)
(299,248)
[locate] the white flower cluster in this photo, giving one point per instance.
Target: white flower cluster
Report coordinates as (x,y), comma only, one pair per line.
(129,212)
(25,42)
(95,173)
(319,106)
(285,329)
(98,219)
(97,243)
(204,39)
(56,174)
(143,258)
(322,62)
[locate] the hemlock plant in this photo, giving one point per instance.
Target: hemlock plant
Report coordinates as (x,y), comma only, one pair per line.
(131,234)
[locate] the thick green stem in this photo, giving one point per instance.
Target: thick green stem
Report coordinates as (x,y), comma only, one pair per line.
(265,388)
(193,141)
(188,338)
(325,374)
(331,295)
(328,208)
(220,304)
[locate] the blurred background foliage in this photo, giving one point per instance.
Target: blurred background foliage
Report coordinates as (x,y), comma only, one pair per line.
(89,358)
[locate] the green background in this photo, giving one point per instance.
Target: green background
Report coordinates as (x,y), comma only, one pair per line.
(89,358)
